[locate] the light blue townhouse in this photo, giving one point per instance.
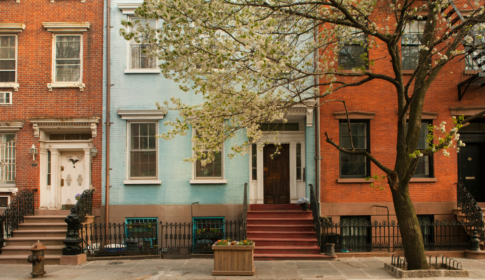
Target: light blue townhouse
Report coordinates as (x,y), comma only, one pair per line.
(148,177)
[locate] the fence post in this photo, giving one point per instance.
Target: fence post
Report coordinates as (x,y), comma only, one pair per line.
(72,240)
(475,242)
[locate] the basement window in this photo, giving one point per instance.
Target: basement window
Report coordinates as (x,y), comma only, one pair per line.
(5,98)
(207,230)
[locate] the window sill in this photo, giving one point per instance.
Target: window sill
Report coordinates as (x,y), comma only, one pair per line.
(423,180)
(6,188)
(66,85)
(345,71)
(407,72)
(15,86)
(208,182)
(354,181)
(142,182)
(143,71)
(470,72)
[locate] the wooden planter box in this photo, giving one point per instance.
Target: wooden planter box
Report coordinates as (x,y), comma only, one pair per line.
(233,260)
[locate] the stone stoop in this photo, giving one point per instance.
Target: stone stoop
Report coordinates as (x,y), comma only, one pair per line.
(48,228)
(283,232)
(462,218)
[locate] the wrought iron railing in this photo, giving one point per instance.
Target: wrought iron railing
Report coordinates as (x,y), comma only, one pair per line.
(470,208)
(245,211)
(198,237)
(21,206)
(357,235)
(315,207)
(84,205)
(139,238)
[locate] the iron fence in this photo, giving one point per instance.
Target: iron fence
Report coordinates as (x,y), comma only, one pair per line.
(363,236)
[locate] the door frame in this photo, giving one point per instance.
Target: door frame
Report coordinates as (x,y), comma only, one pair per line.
(297,187)
(57,148)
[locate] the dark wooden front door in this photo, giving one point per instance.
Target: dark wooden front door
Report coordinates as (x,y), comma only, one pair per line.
(277,175)
(470,164)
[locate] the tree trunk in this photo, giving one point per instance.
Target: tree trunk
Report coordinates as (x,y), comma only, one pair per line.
(412,238)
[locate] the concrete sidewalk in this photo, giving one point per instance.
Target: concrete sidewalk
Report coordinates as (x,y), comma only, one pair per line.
(344,268)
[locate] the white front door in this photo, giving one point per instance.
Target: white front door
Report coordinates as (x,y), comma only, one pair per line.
(73,179)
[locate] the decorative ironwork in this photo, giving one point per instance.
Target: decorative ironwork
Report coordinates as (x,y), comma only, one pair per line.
(79,180)
(315,207)
(21,206)
(84,206)
(434,261)
(68,180)
(74,220)
(470,208)
(245,211)
(358,235)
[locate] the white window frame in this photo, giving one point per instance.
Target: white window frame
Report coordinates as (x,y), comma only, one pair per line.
(208,180)
(129,70)
(10,97)
(54,59)
(13,84)
(141,180)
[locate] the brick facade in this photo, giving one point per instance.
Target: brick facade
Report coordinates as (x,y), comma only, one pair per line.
(33,100)
(379,97)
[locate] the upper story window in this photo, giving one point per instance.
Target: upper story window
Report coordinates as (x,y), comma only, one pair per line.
(410,42)
(138,58)
(353,53)
(143,163)
(211,172)
(8,58)
(354,166)
(7,158)
(425,162)
(473,59)
(68,58)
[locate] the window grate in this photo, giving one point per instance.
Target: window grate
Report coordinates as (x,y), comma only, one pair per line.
(207,230)
(7,158)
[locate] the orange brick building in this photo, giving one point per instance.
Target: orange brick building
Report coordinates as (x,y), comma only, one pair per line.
(51,98)
(344,192)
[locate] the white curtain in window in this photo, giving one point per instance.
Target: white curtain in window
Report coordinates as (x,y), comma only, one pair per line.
(68,58)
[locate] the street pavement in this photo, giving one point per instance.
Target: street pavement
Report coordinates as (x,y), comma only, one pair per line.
(342,269)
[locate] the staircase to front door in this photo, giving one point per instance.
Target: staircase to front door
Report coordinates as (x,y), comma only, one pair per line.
(48,227)
(282,232)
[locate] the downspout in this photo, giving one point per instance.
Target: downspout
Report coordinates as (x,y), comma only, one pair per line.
(108,104)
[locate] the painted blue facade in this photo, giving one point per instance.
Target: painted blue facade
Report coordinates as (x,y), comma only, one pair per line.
(140,92)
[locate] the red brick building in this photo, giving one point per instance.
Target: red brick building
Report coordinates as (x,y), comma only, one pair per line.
(51,98)
(344,191)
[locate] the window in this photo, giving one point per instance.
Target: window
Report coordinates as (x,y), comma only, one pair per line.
(410,41)
(298,162)
(68,58)
(210,170)
(254,161)
(353,53)
(206,232)
(7,158)
(138,59)
(74,136)
(356,234)
(424,164)
(279,127)
(8,58)
(4,201)
(354,166)
(143,150)
(474,58)
(5,98)
(427,230)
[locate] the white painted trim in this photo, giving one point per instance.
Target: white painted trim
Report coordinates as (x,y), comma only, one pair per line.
(15,86)
(205,179)
(11,126)
(143,71)
(141,114)
(208,181)
(129,8)
(78,83)
(11,27)
(62,125)
(128,144)
(142,182)
(61,27)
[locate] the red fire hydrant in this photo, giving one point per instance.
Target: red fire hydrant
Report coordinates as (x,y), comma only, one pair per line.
(37,260)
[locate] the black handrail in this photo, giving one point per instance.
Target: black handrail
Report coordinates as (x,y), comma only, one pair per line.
(84,205)
(21,206)
(245,211)
(314,205)
(470,208)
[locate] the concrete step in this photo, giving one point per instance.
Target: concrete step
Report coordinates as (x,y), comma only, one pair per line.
(273,228)
(44,219)
(285,241)
(64,213)
(270,257)
(263,207)
(281,234)
(457,211)
(280,221)
(29,241)
(279,214)
(39,233)
(286,249)
(25,250)
(22,259)
(47,226)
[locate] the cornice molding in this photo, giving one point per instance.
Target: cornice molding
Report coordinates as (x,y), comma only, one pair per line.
(10,126)
(11,27)
(141,114)
(128,8)
(466,110)
(77,124)
(64,27)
